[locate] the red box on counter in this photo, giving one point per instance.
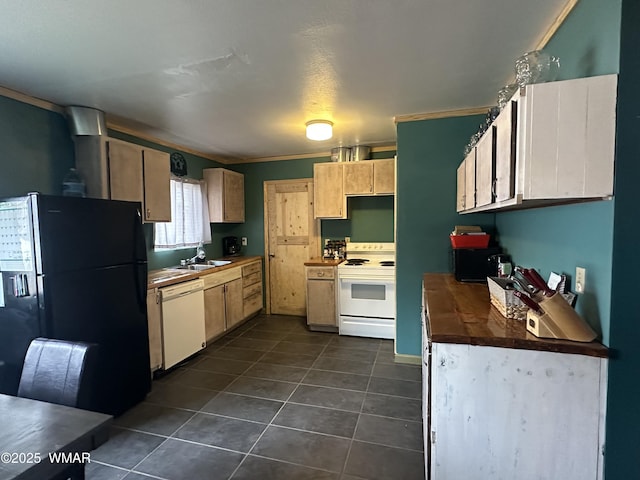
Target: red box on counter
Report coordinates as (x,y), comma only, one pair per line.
(470,241)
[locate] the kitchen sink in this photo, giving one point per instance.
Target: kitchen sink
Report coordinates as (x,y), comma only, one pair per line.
(218,263)
(196,267)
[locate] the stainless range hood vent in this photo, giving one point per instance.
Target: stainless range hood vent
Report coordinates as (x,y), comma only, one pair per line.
(86,121)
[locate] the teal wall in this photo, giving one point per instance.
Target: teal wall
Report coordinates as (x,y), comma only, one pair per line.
(35,149)
(429,153)
(561,238)
(623,408)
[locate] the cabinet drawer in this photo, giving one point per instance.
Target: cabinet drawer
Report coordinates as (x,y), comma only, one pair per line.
(252,268)
(251,279)
(252,290)
(252,304)
(320,272)
(218,278)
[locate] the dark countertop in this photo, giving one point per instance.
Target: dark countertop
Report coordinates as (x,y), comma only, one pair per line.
(170,276)
(462,313)
(323,262)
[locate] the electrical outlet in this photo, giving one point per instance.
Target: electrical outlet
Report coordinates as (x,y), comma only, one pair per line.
(581,276)
(244,241)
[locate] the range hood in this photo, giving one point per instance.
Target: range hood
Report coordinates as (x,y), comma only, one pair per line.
(89,132)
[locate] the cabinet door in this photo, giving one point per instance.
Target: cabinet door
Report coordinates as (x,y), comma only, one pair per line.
(461,187)
(233,197)
(544,409)
(214,323)
(234,307)
(570,138)
(384,177)
(154,320)
(125,172)
(321,305)
(358,178)
(470,180)
(506,127)
(485,161)
(157,189)
(328,194)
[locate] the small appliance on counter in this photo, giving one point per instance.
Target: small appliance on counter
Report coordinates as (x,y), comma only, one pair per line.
(334,249)
(230,246)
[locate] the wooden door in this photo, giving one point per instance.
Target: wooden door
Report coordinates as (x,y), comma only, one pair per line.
(291,238)
(157,189)
(329,199)
(384,176)
(125,172)
(358,178)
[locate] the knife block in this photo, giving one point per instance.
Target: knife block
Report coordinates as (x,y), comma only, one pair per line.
(559,321)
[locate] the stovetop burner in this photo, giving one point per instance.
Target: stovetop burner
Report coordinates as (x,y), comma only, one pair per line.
(356,261)
(388,263)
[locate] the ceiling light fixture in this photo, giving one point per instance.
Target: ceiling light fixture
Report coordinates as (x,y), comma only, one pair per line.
(319,130)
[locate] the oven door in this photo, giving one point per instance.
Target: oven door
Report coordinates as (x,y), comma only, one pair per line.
(371,297)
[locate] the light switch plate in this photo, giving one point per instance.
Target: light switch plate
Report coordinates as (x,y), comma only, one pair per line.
(244,241)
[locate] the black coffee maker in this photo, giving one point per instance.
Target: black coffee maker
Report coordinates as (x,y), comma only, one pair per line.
(230,246)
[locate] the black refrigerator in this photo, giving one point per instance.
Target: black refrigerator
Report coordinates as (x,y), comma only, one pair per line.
(76,269)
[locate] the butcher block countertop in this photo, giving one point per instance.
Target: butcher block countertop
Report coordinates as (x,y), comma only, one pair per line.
(323,262)
(170,276)
(462,313)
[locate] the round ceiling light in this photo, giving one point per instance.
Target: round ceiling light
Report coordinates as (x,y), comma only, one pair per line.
(319,130)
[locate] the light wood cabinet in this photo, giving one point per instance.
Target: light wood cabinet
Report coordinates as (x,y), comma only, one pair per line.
(154,322)
(121,170)
(321,298)
(223,306)
(470,180)
(225,191)
(329,200)
(358,178)
(554,143)
(370,177)
(384,176)
(252,289)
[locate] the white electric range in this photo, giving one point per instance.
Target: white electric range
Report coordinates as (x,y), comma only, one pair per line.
(367,290)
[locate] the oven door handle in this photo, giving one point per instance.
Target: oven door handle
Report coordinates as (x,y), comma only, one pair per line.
(368,278)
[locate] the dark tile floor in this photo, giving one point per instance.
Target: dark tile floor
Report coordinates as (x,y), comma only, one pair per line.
(272,400)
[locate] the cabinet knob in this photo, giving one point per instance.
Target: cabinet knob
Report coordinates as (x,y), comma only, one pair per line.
(321,274)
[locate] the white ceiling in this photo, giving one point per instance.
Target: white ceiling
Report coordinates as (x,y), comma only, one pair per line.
(240,78)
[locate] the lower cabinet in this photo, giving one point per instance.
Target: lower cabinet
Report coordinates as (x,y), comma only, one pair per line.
(515,413)
(154,321)
(251,288)
(223,306)
(321,298)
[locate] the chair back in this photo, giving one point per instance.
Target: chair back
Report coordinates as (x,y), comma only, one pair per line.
(59,371)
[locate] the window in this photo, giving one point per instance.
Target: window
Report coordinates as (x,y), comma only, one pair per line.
(190,216)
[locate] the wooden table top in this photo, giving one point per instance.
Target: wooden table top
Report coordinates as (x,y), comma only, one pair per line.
(31,429)
(462,313)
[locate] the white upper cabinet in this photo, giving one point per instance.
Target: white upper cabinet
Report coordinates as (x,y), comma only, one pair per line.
(552,143)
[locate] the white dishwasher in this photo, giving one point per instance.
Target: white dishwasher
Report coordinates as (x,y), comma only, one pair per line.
(182,321)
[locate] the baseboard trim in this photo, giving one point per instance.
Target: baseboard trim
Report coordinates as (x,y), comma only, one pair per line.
(409,359)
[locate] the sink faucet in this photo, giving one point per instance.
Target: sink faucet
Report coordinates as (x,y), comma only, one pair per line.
(200,254)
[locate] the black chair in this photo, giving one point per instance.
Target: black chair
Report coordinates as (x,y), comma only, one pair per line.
(58,371)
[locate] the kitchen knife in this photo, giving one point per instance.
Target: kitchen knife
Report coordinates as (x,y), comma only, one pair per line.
(539,281)
(528,301)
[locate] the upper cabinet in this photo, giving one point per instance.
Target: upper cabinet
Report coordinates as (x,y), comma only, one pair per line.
(553,143)
(119,170)
(225,194)
(140,175)
(335,181)
(329,200)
